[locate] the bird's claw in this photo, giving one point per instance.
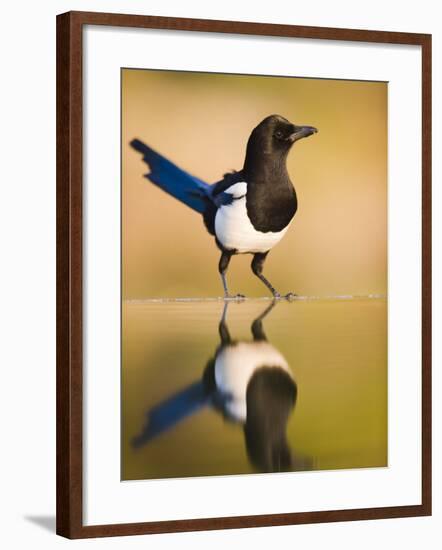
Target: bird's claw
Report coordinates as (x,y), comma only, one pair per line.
(290,296)
(237,297)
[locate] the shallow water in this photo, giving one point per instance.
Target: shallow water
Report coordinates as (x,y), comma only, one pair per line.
(307,392)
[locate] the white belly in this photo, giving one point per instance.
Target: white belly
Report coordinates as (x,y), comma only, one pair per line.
(234,229)
(234,367)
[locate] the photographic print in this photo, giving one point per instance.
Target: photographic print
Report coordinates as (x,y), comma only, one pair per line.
(236,313)
(254,274)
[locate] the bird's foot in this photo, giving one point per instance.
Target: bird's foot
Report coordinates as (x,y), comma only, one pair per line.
(276,295)
(290,296)
(237,297)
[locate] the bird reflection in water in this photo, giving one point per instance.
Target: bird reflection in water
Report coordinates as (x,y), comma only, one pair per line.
(251,384)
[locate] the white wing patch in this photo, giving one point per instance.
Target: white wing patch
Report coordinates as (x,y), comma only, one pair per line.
(234,229)
(237,190)
(234,367)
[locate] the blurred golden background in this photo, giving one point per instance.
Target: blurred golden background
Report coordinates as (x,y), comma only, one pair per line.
(337,243)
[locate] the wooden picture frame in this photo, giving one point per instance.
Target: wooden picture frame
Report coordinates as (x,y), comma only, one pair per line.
(70,272)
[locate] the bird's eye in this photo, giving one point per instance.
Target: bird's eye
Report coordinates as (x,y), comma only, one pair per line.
(278,134)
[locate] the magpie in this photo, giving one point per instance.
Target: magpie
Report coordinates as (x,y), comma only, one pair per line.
(250,383)
(248,211)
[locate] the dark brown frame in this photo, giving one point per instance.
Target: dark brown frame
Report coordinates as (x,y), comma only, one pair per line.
(69,273)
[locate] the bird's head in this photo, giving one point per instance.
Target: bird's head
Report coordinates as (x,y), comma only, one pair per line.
(275,134)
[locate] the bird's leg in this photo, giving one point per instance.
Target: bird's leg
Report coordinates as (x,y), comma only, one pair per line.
(257,328)
(222,327)
(222,268)
(257,266)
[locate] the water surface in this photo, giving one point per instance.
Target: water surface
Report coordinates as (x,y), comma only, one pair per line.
(212,392)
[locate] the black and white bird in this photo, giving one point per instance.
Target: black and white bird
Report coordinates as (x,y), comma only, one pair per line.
(248,211)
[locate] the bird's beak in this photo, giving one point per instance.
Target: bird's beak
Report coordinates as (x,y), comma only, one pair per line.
(302,132)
